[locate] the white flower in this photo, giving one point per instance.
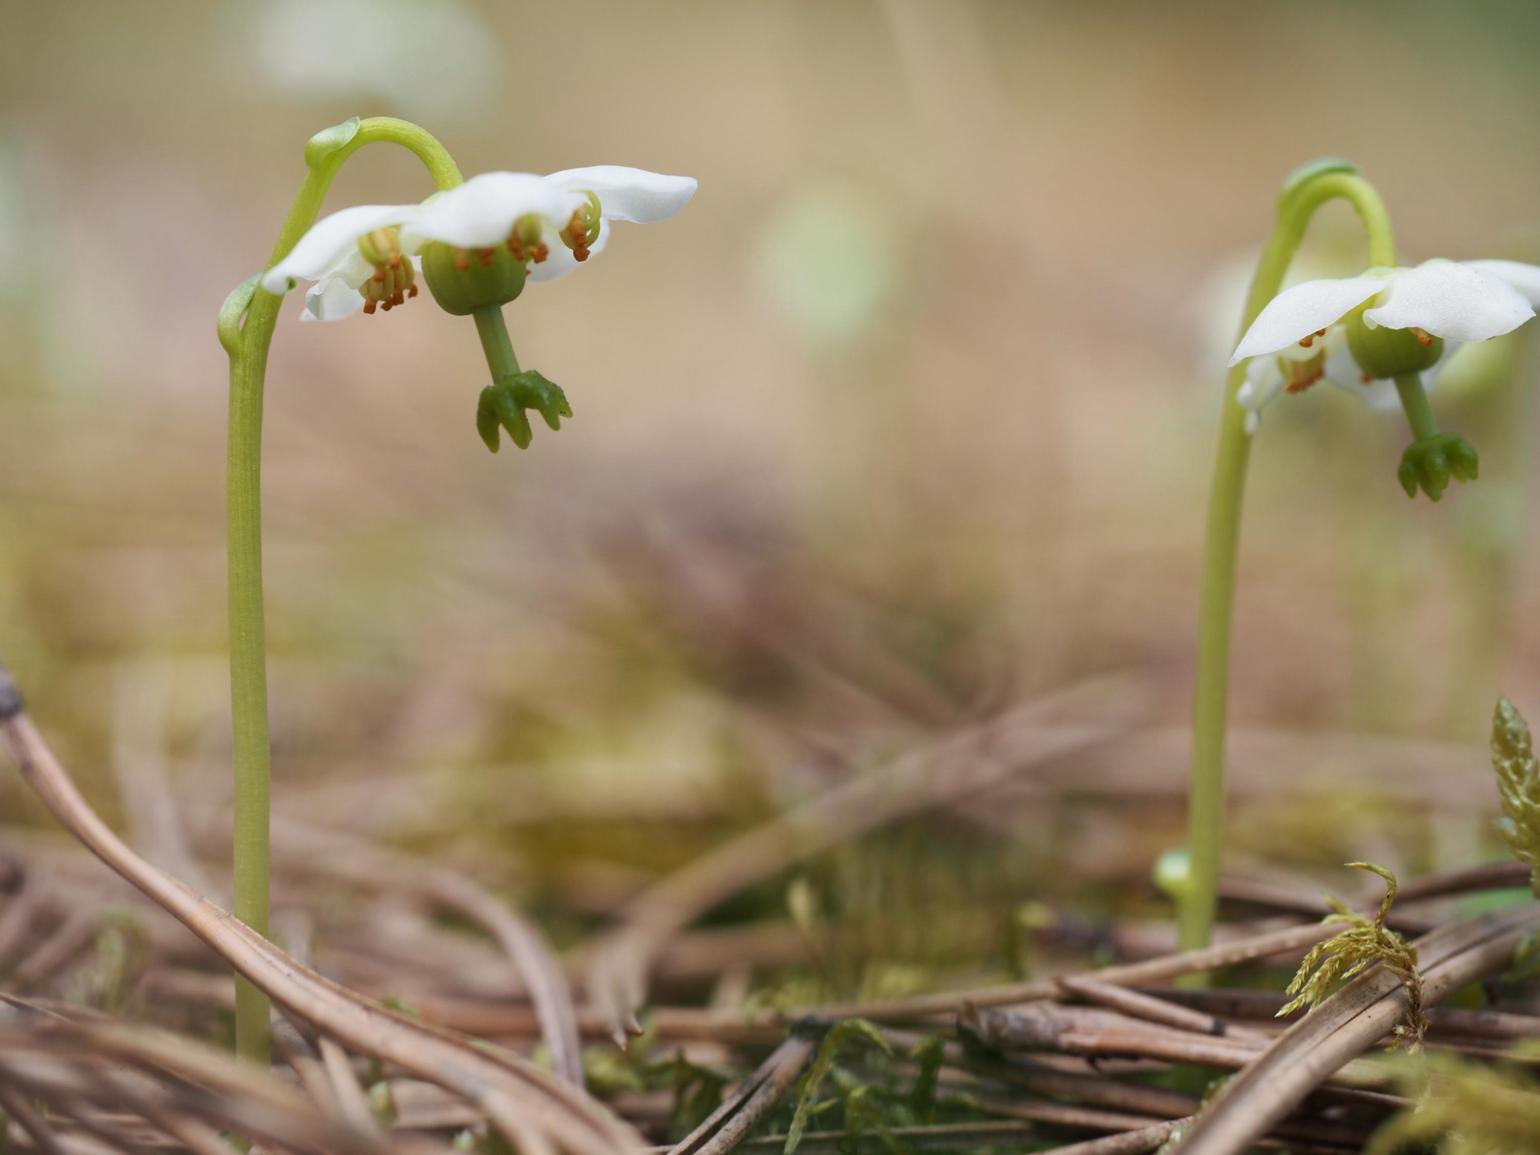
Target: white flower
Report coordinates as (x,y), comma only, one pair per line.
(482,212)
(1299,337)
(619,194)
(336,254)
(367,256)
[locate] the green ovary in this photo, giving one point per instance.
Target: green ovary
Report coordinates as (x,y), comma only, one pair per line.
(464,280)
(1386,353)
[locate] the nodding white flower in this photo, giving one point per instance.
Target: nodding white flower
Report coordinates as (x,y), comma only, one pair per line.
(527,225)
(355,259)
(1322,330)
(610,192)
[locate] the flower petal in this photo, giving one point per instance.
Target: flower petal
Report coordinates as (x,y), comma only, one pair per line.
(1263,384)
(330,240)
(629,194)
(1297,312)
(331,299)
(481,212)
(1381,395)
(1451,300)
(1343,372)
(560,262)
(1524,278)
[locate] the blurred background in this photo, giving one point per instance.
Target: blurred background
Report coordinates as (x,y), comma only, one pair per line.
(902,427)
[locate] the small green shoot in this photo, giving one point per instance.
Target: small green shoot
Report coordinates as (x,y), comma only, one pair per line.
(1361,943)
(1518,780)
(1462,1107)
(850,1030)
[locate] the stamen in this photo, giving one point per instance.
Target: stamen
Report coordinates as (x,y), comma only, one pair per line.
(1299,382)
(462,260)
(576,235)
(394,278)
(1424,338)
(1302,372)
(1365,379)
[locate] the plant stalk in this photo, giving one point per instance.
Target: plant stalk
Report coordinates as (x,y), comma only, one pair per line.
(246,325)
(1302,196)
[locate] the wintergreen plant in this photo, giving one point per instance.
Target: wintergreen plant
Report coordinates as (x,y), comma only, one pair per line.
(1518,780)
(1384,335)
(476,244)
(1361,943)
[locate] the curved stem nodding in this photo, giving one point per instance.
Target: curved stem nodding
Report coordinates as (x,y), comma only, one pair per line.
(1205,823)
(246,325)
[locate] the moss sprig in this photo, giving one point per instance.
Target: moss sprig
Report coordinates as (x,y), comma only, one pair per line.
(1462,1108)
(1361,943)
(1518,780)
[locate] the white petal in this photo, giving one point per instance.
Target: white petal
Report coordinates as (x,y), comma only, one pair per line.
(1381,395)
(1263,383)
(1451,300)
(331,299)
(1524,278)
(330,240)
(629,194)
(561,261)
(1343,372)
(480,213)
(1297,312)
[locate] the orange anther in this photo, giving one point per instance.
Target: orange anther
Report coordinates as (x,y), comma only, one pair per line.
(462,261)
(1365,379)
(369,306)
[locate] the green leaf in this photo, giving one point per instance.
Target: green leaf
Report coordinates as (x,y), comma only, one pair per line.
(1518,782)
(928,1052)
(844,1032)
(321,147)
(1320,166)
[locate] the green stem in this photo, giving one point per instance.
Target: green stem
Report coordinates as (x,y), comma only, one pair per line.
(1414,399)
(495,342)
(1302,196)
(246,326)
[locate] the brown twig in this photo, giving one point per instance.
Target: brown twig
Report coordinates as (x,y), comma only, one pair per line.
(1345,1025)
(1286,941)
(1155,1010)
(41,1134)
(753,1099)
(519,1098)
(967,764)
(369,864)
